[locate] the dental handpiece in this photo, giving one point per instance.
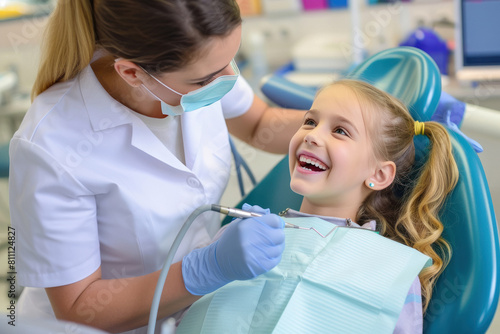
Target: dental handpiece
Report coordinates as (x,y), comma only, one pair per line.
(239,213)
(233,212)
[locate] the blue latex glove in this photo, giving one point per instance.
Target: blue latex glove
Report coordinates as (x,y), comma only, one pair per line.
(450,112)
(247,248)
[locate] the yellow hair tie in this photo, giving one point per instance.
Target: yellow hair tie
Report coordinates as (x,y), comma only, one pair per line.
(419,128)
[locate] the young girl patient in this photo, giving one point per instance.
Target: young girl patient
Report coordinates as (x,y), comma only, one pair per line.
(351,160)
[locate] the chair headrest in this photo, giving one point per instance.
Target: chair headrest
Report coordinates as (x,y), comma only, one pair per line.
(407,73)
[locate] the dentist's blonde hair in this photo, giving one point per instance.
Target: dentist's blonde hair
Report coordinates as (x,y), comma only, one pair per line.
(159,35)
(412,218)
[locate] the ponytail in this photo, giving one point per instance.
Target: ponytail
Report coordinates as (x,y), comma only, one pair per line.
(418,225)
(68,46)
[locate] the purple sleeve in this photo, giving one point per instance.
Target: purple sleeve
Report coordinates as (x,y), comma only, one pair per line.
(410,319)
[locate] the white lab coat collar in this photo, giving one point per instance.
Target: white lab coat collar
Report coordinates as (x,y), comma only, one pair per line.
(97,102)
(192,139)
(104,118)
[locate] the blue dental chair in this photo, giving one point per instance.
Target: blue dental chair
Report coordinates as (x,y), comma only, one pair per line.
(466,295)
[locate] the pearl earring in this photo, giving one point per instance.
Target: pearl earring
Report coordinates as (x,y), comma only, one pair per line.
(371,185)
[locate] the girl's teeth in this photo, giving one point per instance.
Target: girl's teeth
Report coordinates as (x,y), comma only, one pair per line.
(312,162)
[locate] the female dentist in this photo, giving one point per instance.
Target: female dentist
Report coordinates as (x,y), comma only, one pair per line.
(127,135)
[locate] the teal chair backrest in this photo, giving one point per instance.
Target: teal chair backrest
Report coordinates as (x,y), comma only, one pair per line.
(4,160)
(466,294)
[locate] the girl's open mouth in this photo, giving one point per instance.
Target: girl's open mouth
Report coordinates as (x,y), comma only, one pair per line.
(311,164)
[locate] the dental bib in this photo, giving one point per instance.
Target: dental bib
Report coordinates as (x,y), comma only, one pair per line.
(352,281)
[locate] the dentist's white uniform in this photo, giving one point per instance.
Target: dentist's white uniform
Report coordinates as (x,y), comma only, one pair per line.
(91,185)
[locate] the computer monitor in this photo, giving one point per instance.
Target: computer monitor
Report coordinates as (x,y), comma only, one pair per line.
(477,36)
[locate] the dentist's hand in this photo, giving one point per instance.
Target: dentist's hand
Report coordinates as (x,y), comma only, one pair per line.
(247,248)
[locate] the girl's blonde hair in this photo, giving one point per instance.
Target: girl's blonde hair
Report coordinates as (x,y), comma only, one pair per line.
(160,35)
(407,211)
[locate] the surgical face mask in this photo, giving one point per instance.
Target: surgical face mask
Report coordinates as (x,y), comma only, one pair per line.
(201,97)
